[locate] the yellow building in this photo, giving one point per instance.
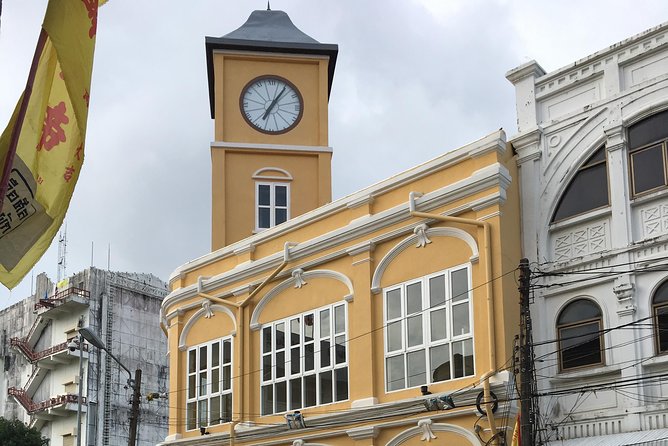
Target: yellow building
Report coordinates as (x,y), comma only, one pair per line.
(376,319)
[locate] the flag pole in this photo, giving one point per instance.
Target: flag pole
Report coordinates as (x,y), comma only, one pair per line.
(16,130)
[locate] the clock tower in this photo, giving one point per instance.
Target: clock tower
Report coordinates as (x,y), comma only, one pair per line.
(269,86)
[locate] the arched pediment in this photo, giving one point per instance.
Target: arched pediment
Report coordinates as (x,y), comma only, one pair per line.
(421,238)
(426,426)
(207,311)
(272,173)
(298,279)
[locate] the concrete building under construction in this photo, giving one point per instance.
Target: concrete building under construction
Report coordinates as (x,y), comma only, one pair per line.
(40,358)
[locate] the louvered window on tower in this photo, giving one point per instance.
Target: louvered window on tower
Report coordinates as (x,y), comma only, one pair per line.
(579,327)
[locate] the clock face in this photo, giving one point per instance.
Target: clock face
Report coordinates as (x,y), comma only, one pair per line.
(271,104)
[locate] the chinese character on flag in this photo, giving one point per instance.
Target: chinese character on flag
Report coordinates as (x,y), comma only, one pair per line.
(41,150)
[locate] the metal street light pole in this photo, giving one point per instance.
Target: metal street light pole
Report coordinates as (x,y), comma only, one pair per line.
(135,383)
(81,341)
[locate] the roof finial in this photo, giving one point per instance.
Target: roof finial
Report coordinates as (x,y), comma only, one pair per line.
(268,7)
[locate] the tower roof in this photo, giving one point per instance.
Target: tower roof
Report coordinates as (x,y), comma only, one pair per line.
(269,32)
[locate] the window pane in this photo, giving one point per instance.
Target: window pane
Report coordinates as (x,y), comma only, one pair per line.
(295,393)
(266,340)
(588,190)
(417,374)
(580,345)
(393,300)
(438,324)
(294,332)
(281,195)
(281,397)
(227,352)
(339,319)
(280,364)
(280,336)
(227,377)
(436,291)
(440,363)
(203,384)
(579,310)
(308,327)
(648,169)
(648,130)
(263,218)
(459,285)
(267,400)
(266,367)
(215,411)
(395,373)
(414,330)
(226,415)
(340,349)
(202,358)
(192,386)
(215,380)
(394,336)
(341,377)
(413,298)
(324,323)
(203,413)
(215,354)
(325,354)
(295,360)
(662,327)
(309,357)
(192,361)
(192,415)
(462,353)
(326,387)
(309,391)
(281,216)
(460,319)
(263,195)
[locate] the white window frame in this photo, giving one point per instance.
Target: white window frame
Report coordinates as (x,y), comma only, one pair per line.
(302,373)
(272,202)
(426,343)
(208,395)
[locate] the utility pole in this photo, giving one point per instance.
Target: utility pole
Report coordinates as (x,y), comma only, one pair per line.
(527,433)
(134,412)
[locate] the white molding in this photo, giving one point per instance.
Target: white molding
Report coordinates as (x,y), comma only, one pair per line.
(294,280)
(257,175)
(362,433)
(436,427)
(364,402)
(277,147)
(203,313)
(405,243)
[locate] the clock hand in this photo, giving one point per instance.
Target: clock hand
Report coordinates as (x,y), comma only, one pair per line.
(278,96)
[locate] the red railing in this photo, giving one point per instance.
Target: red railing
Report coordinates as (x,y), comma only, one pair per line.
(33,356)
(32,407)
(61,297)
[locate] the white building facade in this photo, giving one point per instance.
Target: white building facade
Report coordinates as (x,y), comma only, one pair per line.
(592,151)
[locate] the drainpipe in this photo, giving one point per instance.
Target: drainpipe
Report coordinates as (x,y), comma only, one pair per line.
(240,307)
(490,294)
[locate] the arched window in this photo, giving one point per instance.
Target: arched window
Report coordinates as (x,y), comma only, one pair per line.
(579,328)
(588,190)
(660,311)
(647,152)
(272,197)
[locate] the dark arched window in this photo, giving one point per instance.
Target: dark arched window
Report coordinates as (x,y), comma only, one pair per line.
(588,190)
(660,311)
(579,328)
(647,152)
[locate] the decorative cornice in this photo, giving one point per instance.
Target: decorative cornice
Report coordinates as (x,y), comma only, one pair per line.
(244,249)
(361,201)
(363,433)
(362,247)
(529,69)
(273,147)
(206,312)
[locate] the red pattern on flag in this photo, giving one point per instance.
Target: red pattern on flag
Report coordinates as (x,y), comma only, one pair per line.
(69,172)
(52,132)
(78,154)
(91,7)
(86,97)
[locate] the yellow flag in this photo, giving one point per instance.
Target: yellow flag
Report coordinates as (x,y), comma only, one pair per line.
(516,433)
(42,148)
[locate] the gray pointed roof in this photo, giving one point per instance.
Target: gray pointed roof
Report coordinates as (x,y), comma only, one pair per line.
(270,26)
(268,32)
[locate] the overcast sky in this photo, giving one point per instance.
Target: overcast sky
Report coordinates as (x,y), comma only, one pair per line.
(414,79)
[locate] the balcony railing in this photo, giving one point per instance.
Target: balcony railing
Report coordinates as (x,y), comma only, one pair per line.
(32,407)
(24,347)
(62,297)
